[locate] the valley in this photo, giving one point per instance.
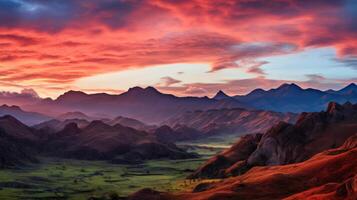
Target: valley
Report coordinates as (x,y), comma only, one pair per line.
(56,178)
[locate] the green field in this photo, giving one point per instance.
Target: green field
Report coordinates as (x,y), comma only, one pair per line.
(73,179)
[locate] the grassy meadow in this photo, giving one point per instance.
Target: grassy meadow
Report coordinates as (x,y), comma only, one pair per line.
(53,178)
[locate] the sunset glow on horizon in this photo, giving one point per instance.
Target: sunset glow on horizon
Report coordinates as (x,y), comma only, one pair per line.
(187,48)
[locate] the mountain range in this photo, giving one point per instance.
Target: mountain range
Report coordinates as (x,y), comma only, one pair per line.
(153,107)
(292,98)
(144,104)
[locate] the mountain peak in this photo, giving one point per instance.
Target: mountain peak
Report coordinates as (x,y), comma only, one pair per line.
(287,86)
(72,94)
(221,95)
(139,90)
(349,88)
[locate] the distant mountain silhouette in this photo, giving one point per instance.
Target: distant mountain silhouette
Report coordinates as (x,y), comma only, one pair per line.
(153,107)
(29,118)
(286,143)
(292,98)
(235,120)
(144,104)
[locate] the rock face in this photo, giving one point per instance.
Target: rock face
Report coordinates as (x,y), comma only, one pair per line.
(285,143)
(230,120)
(330,175)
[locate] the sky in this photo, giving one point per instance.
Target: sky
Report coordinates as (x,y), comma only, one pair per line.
(187,48)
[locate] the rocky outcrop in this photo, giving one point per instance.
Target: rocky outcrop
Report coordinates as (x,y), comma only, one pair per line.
(312,133)
(222,164)
(287,143)
(328,175)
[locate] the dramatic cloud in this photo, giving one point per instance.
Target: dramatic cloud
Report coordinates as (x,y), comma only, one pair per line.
(50,44)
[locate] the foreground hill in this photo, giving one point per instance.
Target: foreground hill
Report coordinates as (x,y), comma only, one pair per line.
(286,143)
(29,118)
(100,141)
(17,142)
(330,175)
(233,120)
(147,105)
(292,98)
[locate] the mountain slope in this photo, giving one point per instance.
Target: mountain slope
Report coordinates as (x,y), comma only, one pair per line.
(230,120)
